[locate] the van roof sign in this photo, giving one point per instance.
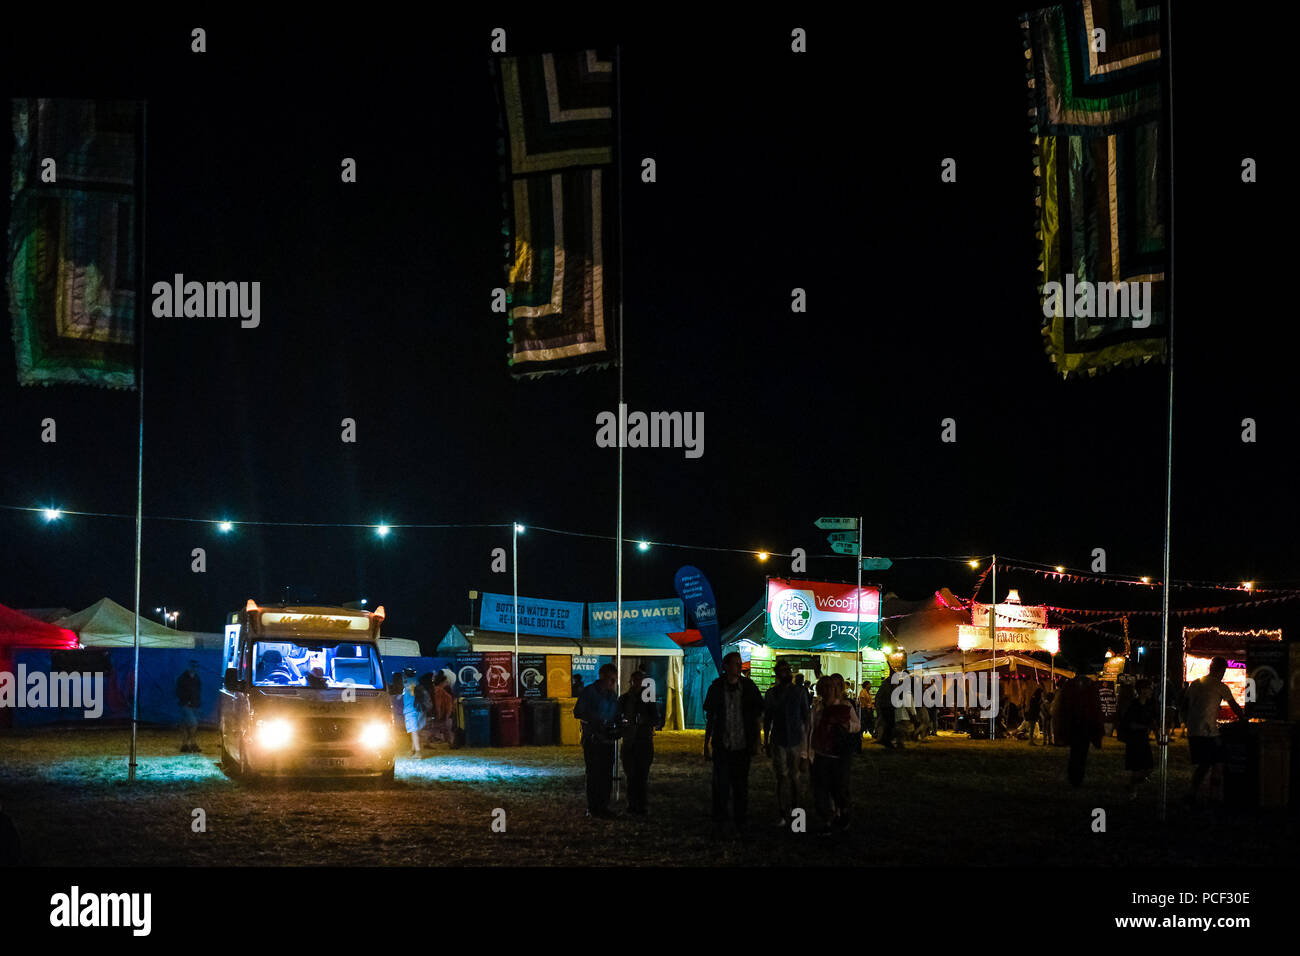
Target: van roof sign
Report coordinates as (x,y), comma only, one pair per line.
(300,621)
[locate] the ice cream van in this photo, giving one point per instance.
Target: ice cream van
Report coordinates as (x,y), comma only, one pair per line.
(304,693)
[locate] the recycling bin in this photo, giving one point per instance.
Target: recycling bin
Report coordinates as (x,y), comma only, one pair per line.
(539,722)
(505,722)
(569,728)
(478,723)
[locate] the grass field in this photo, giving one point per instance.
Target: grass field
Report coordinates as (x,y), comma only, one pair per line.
(950,801)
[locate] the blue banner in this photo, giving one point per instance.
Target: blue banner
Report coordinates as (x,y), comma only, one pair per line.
(639,617)
(547,618)
(701,608)
(586,668)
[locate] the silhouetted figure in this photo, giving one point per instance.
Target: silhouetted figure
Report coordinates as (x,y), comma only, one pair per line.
(188,689)
(1081,723)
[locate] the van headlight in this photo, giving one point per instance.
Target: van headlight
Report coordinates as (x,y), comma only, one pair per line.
(376,734)
(274,734)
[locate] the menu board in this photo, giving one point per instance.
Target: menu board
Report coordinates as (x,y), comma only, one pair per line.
(1106,691)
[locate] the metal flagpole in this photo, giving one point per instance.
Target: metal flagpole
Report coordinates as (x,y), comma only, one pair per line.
(1169,448)
(139,461)
(993,633)
(622,414)
(858,602)
(514,565)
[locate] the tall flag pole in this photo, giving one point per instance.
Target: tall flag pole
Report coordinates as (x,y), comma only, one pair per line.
(618,610)
(1169,448)
(76,261)
(618,626)
(1100,83)
(557,143)
(139,459)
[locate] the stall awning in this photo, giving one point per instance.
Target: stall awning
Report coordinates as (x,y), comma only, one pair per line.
(461,637)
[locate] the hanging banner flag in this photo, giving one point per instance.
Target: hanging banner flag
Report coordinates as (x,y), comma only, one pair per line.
(701,608)
(557,143)
(1099,155)
(73,242)
(820,616)
(639,617)
(548,618)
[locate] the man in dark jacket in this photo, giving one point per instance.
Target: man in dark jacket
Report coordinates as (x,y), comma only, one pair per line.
(640,713)
(734,710)
(187,696)
(597,708)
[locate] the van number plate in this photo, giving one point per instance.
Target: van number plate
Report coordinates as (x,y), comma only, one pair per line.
(330,762)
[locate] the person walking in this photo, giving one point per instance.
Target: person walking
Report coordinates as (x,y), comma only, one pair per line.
(785,724)
(885,715)
(1204,746)
(734,710)
(829,742)
(444,706)
(640,713)
(1034,715)
(413,717)
(904,709)
(1055,717)
(597,708)
(1135,723)
(188,698)
(1081,723)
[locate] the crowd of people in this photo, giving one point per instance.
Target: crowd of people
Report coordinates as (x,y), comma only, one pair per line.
(427,709)
(814,731)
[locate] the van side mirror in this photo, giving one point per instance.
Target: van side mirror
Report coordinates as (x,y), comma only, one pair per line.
(232,680)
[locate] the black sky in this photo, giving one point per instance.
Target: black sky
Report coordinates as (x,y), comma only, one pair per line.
(774,171)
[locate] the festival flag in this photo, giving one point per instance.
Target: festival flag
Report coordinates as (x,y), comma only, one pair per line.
(73,242)
(1096,93)
(557,115)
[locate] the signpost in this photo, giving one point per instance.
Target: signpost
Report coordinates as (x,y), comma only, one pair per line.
(876,564)
(842,543)
(842,524)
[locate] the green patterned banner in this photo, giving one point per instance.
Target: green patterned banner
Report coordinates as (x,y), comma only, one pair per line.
(72,241)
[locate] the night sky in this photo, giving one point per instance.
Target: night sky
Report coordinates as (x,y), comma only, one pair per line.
(775,171)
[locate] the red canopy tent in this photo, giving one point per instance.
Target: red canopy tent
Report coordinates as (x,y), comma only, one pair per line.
(19,630)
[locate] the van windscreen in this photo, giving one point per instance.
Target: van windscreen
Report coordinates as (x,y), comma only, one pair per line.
(315,664)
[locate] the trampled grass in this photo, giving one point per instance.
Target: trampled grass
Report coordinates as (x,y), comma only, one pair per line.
(949,801)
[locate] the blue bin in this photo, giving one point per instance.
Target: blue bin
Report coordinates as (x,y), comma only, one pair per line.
(478,723)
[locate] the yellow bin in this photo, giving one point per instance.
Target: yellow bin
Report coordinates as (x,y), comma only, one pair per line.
(570,726)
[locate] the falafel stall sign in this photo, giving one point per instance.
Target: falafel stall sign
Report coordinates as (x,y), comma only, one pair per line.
(820,613)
